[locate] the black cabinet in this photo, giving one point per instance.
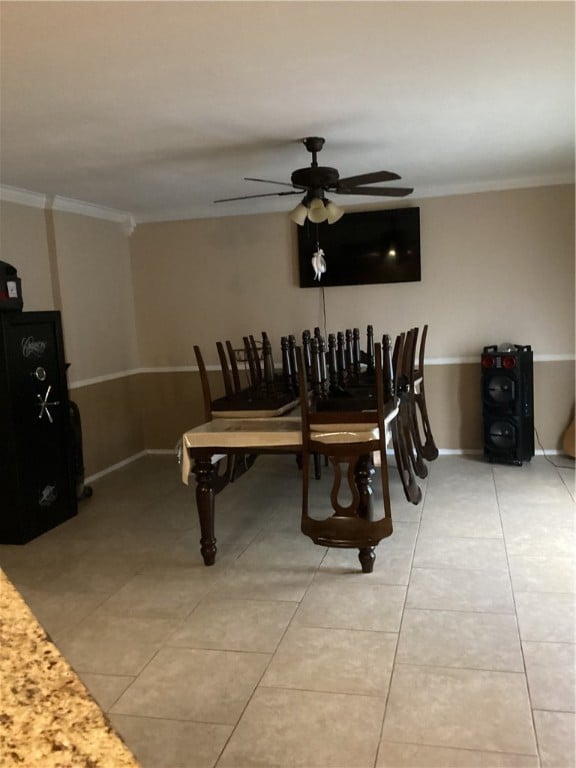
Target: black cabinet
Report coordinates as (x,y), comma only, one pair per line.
(37,486)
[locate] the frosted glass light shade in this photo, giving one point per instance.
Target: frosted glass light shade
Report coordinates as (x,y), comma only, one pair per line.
(298,215)
(317,212)
(334,213)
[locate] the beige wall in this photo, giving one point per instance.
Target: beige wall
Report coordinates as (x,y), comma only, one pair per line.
(97,302)
(81,266)
(23,243)
(495,266)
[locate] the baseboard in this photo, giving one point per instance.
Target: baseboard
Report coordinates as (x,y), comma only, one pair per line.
(172,452)
(129,460)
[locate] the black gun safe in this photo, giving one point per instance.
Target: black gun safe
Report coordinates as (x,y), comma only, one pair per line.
(37,485)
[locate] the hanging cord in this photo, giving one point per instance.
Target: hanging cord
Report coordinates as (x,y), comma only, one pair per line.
(323,295)
(324,311)
(549,460)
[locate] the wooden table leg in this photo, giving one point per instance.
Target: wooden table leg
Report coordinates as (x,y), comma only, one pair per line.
(205,472)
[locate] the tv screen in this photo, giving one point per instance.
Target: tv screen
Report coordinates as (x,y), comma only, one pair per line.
(363,248)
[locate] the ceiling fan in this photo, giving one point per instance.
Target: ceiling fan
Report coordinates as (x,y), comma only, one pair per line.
(316,180)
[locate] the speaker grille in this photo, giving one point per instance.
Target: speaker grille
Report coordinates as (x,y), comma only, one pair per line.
(501,389)
(502,435)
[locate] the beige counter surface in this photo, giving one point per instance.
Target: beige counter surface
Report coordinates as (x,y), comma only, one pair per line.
(47,717)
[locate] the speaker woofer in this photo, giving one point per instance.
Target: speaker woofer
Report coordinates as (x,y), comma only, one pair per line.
(501,389)
(502,435)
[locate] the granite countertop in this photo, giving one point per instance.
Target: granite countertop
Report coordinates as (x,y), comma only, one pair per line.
(47,717)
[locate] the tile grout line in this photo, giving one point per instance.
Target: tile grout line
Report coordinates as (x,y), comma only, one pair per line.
(516,618)
(272,655)
(394,662)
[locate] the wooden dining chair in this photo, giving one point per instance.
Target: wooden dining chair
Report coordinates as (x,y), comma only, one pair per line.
(401,429)
(205,384)
(348,439)
(232,355)
(227,475)
(224,365)
(235,464)
(253,357)
(408,415)
(426,444)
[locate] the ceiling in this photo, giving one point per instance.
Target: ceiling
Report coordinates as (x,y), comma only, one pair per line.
(160,108)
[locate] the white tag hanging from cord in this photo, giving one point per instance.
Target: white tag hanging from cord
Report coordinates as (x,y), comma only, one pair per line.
(318,263)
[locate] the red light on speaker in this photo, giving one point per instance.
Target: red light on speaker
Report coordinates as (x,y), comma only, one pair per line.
(487,361)
(508,362)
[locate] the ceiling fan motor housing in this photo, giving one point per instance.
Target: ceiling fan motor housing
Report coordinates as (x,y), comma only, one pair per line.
(318,177)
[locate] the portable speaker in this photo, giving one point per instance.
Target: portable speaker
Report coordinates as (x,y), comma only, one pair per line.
(508,403)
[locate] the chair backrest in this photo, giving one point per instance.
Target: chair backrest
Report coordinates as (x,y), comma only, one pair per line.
(228,388)
(306,353)
(253,362)
(311,417)
(397,356)
(389,390)
(318,377)
(234,366)
(206,396)
(256,357)
(370,348)
(410,356)
(422,350)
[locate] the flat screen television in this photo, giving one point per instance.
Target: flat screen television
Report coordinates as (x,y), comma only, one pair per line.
(363,248)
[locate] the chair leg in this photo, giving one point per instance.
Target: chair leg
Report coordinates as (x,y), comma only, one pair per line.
(367,557)
(412,491)
(317,466)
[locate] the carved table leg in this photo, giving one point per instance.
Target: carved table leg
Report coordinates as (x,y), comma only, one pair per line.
(205,473)
(367,556)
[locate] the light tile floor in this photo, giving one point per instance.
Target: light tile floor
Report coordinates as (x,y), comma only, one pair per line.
(458,651)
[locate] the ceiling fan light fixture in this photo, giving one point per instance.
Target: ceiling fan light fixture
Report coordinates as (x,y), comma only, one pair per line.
(299,214)
(317,212)
(334,212)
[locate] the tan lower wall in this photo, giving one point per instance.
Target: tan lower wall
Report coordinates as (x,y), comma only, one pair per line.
(554,391)
(172,403)
(150,411)
(455,405)
(112,418)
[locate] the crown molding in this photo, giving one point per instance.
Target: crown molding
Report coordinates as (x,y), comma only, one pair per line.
(22,197)
(129,221)
(81,208)
(471,188)
(67,205)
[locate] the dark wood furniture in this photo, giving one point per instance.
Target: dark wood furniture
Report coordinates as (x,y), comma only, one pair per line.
(348,439)
(426,445)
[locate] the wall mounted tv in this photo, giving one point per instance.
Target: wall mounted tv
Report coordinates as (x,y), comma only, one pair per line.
(363,248)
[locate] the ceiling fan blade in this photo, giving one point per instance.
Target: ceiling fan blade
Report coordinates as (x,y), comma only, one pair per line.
(369,178)
(268,181)
(379,191)
(267,194)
